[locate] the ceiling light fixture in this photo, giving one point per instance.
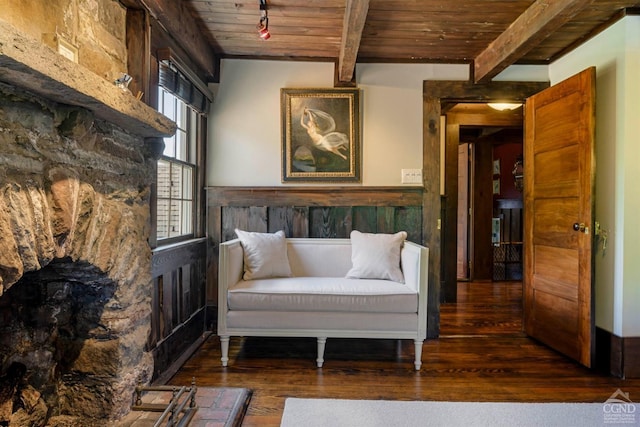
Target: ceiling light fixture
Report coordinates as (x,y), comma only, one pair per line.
(502,106)
(263,24)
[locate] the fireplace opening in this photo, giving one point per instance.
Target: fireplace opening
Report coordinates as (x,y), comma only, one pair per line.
(58,357)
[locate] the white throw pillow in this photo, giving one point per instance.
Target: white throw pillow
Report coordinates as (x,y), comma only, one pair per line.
(376,256)
(265,254)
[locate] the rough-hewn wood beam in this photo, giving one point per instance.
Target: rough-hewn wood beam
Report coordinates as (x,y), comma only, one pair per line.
(179,22)
(31,65)
(139,52)
(536,23)
(355,16)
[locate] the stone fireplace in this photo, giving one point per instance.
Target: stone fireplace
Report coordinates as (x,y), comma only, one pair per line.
(77,160)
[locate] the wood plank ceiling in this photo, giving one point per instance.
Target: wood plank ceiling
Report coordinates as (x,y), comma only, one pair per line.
(487,34)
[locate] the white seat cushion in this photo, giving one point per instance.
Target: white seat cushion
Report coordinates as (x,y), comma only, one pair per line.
(335,294)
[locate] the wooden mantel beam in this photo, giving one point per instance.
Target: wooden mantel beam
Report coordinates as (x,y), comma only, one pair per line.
(355,16)
(534,25)
(179,23)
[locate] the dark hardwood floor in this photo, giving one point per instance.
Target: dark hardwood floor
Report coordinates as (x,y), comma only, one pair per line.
(482,355)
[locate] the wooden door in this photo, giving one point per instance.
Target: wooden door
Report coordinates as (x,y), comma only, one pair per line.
(559,183)
(481,210)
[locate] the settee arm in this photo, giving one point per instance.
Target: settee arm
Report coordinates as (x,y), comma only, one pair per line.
(230,270)
(414,260)
(414,264)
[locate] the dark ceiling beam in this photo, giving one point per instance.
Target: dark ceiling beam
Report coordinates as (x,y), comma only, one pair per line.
(180,24)
(355,16)
(540,20)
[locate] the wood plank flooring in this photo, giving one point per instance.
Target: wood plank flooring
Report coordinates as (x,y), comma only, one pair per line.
(482,355)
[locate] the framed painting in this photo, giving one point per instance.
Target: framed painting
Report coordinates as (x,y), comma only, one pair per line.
(496,167)
(320,135)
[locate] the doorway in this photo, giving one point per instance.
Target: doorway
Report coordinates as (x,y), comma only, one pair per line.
(489,203)
(439,209)
(568,108)
(440,226)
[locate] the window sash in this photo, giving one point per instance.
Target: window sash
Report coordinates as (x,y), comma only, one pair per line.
(175,199)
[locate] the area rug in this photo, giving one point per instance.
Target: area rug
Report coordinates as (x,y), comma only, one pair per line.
(217,407)
(383,413)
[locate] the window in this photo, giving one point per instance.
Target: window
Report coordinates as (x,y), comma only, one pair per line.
(177,168)
(179,202)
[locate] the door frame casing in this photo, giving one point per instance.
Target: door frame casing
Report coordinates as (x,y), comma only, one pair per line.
(440,211)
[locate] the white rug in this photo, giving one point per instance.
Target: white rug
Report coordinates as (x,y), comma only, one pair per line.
(383,413)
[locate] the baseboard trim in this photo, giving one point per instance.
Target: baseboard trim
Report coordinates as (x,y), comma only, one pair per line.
(619,356)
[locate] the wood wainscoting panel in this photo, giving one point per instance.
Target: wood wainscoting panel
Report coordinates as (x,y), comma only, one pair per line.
(631,367)
(178,303)
(618,356)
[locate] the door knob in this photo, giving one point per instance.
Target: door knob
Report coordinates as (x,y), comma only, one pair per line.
(579,227)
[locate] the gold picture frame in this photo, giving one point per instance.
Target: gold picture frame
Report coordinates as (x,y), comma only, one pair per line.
(321,135)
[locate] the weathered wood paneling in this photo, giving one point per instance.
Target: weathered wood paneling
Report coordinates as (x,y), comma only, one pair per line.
(315,196)
(178,301)
(316,221)
(292,220)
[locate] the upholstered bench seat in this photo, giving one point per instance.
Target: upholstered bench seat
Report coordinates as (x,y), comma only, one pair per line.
(330,294)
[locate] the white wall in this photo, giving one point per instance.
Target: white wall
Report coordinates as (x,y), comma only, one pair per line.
(244,123)
(244,133)
(616,55)
(392,116)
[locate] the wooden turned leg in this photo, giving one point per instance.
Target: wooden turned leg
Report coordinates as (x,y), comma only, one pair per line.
(418,345)
(321,344)
(224,346)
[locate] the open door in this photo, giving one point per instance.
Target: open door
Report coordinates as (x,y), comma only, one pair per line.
(558,220)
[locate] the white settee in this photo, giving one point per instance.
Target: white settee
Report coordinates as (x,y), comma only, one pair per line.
(317,300)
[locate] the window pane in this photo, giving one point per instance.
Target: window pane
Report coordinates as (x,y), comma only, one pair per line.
(168,105)
(162,219)
(176,181)
(181,145)
(181,114)
(164,181)
(175,220)
(193,135)
(169,147)
(187,217)
(187,184)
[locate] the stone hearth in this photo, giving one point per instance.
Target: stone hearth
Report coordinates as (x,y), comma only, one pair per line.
(77,159)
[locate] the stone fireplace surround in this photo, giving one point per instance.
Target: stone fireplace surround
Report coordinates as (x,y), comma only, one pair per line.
(77,158)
